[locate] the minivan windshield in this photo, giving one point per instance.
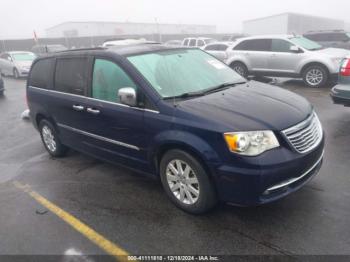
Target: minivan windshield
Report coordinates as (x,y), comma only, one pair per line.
(178,72)
(305,43)
(23,56)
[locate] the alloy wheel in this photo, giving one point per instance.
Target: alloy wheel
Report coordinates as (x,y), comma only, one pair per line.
(314,77)
(49,138)
(239,69)
(182,182)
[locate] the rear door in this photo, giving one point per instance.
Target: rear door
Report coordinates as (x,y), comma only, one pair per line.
(68,102)
(117,129)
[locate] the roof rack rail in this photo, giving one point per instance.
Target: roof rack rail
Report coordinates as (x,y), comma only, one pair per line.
(83,49)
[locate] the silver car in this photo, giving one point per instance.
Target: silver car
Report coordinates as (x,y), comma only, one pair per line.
(16,63)
(219,49)
(286,56)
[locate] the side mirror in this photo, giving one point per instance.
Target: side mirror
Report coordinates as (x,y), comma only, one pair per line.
(127,96)
(295,49)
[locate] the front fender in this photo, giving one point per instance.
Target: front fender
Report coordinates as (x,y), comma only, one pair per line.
(172,139)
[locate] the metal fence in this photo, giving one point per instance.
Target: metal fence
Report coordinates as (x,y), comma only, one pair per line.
(93,41)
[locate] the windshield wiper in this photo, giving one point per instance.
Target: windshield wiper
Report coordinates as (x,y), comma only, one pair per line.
(221,87)
(205,91)
(186,95)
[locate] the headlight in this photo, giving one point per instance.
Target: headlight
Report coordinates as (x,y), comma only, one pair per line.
(251,143)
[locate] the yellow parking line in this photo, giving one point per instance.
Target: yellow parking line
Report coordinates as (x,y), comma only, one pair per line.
(108,246)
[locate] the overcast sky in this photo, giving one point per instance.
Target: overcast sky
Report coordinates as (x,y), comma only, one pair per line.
(20,17)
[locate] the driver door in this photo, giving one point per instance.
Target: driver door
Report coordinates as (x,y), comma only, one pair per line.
(117,129)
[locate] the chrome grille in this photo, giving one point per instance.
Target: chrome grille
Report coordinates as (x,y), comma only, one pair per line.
(306,135)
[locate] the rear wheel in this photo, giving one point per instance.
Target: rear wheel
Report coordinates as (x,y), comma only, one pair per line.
(240,68)
(50,139)
(186,182)
(315,76)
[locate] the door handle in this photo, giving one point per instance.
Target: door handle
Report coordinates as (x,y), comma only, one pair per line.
(78,108)
(93,111)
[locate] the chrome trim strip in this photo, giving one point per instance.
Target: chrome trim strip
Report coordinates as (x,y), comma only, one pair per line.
(93,99)
(292,180)
(305,124)
(99,137)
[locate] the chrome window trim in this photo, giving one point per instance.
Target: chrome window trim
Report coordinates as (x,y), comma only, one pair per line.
(300,126)
(292,180)
(105,139)
(94,99)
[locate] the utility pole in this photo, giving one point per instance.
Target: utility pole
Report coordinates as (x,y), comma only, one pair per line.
(158,30)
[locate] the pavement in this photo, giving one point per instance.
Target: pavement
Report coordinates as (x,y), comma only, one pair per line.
(132,211)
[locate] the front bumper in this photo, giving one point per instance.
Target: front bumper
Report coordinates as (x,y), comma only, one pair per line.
(285,173)
(340,94)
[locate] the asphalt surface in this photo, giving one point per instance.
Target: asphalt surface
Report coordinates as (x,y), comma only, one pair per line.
(133,212)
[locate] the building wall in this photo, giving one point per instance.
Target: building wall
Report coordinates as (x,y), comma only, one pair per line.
(84,29)
(300,24)
(290,23)
(270,25)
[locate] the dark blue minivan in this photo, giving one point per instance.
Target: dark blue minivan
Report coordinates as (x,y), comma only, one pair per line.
(181,115)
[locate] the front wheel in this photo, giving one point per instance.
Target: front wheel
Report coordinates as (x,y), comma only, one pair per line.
(50,139)
(186,182)
(315,76)
(15,73)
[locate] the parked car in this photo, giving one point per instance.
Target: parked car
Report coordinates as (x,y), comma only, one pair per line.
(181,115)
(197,42)
(219,49)
(16,63)
(41,50)
(2,86)
(286,56)
(335,38)
(341,92)
(173,43)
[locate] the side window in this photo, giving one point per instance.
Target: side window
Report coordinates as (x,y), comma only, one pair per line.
(222,47)
(108,78)
(279,45)
(71,75)
(211,47)
(186,42)
(41,74)
(255,45)
(192,42)
(200,43)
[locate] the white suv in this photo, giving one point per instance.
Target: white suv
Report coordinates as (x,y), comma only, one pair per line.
(286,56)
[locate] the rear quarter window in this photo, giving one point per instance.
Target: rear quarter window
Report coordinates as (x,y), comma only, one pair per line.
(41,74)
(72,75)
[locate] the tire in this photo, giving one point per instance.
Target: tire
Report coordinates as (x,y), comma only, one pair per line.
(315,76)
(51,140)
(240,68)
(15,73)
(2,93)
(198,195)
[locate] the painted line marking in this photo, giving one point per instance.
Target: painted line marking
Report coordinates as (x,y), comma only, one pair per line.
(108,246)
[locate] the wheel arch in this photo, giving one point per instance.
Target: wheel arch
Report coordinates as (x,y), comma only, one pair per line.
(188,143)
(302,70)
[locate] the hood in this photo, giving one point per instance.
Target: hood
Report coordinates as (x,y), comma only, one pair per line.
(248,107)
(24,64)
(334,52)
